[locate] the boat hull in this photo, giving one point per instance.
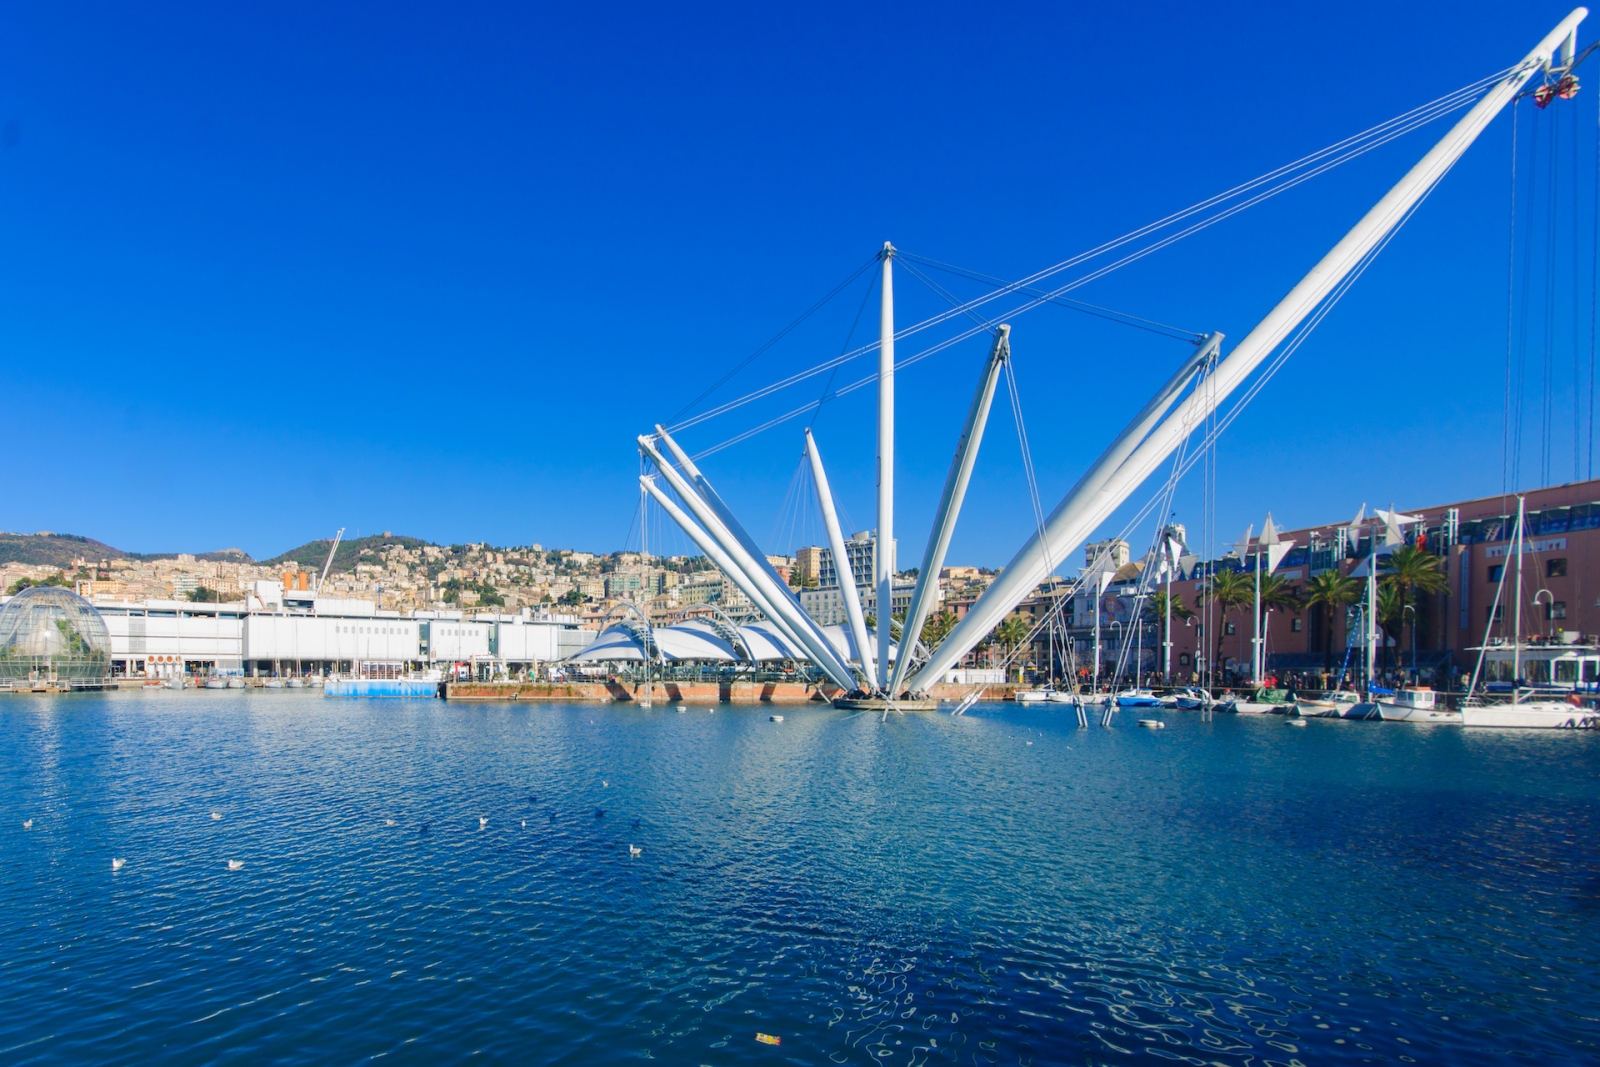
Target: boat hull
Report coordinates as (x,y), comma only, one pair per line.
(1401,713)
(1540,716)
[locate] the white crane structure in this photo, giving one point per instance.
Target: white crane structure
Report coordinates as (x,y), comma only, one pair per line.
(883,677)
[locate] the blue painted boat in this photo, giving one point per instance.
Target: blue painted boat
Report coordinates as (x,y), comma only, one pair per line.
(380,687)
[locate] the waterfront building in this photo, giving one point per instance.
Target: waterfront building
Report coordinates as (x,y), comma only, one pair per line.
(290,632)
(1438,636)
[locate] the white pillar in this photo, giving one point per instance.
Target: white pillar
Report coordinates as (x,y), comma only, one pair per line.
(884,556)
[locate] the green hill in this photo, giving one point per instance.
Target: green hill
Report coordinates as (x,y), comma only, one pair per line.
(53,549)
(313,554)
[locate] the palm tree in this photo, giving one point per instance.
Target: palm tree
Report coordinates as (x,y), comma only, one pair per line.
(1010,634)
(1230,589)
(1332,591)
(1156,609)
(936,628)
(1411,572)
(1391,615)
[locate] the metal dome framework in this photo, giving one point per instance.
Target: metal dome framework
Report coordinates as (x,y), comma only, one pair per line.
(53,635)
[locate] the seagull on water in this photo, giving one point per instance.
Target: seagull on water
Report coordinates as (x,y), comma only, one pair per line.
(27,824)
(604,784)
(236,865)
(216,816)
(634,850)
(388,822)
(116,864)
(482,822)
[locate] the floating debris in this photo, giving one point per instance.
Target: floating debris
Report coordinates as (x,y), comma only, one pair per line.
(768,1039)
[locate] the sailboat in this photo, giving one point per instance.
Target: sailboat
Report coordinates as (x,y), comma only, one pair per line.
(1518,713)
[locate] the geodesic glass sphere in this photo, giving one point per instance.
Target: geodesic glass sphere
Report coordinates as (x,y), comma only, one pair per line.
(47,631)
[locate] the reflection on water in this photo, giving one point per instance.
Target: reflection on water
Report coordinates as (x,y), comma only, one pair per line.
(924,890)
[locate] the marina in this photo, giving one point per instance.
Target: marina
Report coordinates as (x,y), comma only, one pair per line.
(840,882)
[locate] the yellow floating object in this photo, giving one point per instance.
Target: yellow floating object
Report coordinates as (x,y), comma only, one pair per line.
(769,1039)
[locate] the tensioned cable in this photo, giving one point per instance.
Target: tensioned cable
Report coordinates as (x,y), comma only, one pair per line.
(1110,314)
(1301,334)
(1324,160)
(1511,304)
(780,335)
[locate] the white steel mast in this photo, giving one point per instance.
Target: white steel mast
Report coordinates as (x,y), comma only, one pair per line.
(841,560)
(884,556)
(955,492)
(1089,505)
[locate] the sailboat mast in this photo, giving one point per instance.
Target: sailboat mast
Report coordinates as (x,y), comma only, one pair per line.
(884,556)
(1516,614)
(1255,642)
(1372,610)
(1166,651)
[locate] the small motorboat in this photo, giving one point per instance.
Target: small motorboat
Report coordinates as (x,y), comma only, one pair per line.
(1331,706)
(235,683)
(1138,698)
(216,683)
(1152,724)
(774,718)
(1188,698)
(1056,696)
(272,683)
(1415,704)
(296,683)
(1265,702)
(1031,696)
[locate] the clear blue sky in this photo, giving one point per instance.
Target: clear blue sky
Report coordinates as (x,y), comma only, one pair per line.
(269,270)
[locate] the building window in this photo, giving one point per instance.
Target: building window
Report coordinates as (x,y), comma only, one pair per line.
(1556,610)
(1496,571)
(1183,658)
(1495,613)
(1555,568)
(1294,625)
(1229,628)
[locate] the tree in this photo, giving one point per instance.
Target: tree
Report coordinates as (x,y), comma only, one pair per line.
(201,595)
(572,597)
(1011,634)
(1412,572)
(59,578)
(1331,591)
(1230,589)
(1391,614)
(937,628)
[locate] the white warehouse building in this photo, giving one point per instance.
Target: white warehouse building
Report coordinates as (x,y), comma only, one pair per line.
(302,635)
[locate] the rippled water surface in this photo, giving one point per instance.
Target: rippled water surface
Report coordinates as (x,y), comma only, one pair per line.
(999,888)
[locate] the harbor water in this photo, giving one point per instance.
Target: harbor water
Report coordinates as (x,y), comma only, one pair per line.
(427,882)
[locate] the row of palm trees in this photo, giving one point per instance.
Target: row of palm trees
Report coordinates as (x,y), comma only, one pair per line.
(1406,575)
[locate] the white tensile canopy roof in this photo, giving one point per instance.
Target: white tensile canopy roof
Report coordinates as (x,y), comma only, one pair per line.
(699,639)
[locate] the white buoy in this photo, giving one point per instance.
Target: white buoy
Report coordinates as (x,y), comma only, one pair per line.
(634,850)
(116,864)
(236,865)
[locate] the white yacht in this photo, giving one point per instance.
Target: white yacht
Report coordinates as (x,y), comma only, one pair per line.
(1534,715)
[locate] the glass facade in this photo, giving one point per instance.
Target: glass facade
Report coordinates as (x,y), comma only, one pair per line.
(52,634)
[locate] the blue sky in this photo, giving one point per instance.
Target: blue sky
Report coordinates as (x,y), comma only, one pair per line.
(271,270)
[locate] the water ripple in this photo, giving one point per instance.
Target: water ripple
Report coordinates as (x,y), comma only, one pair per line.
(919,891)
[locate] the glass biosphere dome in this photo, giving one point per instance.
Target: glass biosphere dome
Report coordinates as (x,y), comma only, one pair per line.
(47,632)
